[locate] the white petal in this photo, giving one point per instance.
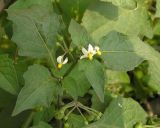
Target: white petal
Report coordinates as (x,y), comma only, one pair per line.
(84,51)
(96,48)
(65,61)
(90,48)
(94,52)
(60,59)
(84,56)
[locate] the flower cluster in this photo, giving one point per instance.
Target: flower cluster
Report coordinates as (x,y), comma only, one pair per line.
(90,52)
(87,53)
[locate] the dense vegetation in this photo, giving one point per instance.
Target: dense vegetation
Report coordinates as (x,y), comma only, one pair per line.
(80,64)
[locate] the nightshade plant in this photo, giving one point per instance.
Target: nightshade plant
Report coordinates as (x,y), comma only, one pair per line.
(80,64)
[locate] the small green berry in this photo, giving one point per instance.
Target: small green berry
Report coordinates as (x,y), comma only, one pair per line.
(100,114)
(98,117)
(66,118)
(138,125)
(86,122)
(39,108)
(60,38)
(71,49)
(59,115)
(66,125)
(58,44)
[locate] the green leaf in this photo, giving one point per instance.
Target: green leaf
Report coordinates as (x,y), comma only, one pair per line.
(34,31)
(76,121)
(21,66)
(157,8)
(94,73)
(97,104)
(45,115)
(73,8)
(118,83)
(76,83)
(115,77)
(117,56)
(102,17)
(40,89)
(71,87)
(119,52)
(154,74)
(7,121)
(21,4)
(79,34)
(121,114)
(5,98)
(42,125)
(129,4)
(157,28)
(8,75)
(85,74)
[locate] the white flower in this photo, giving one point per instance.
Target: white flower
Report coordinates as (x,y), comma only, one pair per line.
(97,49)
(61,61)
(88,53)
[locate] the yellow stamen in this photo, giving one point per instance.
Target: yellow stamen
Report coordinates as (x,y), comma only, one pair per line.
(99,53)
(59,66)
(90,56)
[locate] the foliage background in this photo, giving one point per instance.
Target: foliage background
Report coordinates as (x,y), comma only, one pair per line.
(123,83)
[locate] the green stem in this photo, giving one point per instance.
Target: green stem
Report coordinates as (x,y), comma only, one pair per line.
(81,114)
(70,111)
(89,111)
(85,107)
(151,126)
(29,120)
(65,46)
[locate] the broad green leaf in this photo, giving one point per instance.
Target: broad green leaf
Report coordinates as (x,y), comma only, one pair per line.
(7,121)
(34,31)
(21,4)
(157,28)
(122,52)
(79,35)
(40,89)
(153,57)
(45,115)
(73,8)
(70,86)
(76,83)
(85,74)
(121,114)
(63,71)
(118,83)
(136,53)
(103,17)
(42,125)
(129,4)
(154,74)
(97,104)
(5,98)
(8,75)
(115,77)
(95,75)
(21,66)
(157,8)
(76,121)
(119,52)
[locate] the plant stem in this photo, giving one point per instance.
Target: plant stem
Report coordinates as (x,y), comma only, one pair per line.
(59,103)
(81,114)
(29,120)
